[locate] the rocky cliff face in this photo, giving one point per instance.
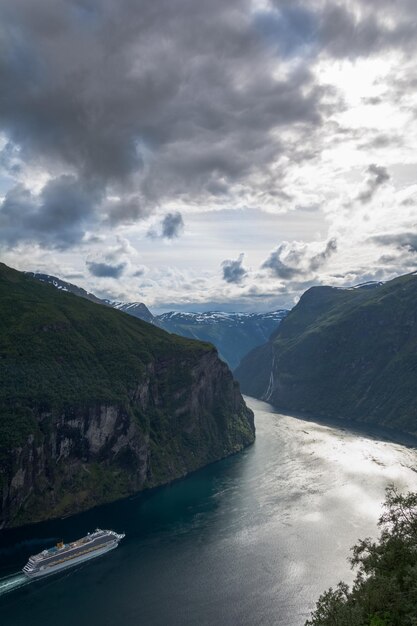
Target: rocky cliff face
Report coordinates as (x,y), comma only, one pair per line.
(172,408)
(88,455)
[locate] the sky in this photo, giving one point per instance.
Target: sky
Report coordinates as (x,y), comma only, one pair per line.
(198,155)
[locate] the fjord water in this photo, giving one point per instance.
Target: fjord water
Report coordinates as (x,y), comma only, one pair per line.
(252,540)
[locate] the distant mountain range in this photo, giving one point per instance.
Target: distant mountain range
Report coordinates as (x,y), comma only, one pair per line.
(344,353)
(233,334)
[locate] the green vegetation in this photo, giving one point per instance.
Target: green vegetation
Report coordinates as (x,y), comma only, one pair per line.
(233,335)
(96,404)
(76,488)
(58,350)
(384,592)
(348,353)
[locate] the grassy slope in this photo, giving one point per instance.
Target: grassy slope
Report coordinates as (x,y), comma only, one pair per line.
(345,353)
(58,350)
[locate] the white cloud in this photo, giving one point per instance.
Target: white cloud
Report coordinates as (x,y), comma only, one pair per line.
(270,150)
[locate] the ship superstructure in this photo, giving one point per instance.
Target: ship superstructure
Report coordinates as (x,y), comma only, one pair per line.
(64,555)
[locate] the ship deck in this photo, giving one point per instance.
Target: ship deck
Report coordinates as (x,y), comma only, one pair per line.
(71,550)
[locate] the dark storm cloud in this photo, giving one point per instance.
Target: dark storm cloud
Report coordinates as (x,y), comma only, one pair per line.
(130,97)
(373,100)
(291,29)
(105,270)
(406,240)
(289,261)
(319,259)
(169,227)
(150,101)
(56,218)
(344,34)
(172,225)
(9,159)
(280,268)
(394,264)
(339,29)
(377,176)
(387,258)
(124,210)
(382,140)
(233,271)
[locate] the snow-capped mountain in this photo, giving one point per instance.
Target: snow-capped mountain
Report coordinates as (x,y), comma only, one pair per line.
(137,309)
(233,334)
(220,317)
(63,285)
(371,284)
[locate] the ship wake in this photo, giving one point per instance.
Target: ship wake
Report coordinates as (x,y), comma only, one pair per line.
(12,582)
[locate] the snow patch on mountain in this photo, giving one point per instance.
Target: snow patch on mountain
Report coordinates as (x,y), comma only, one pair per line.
(220,317)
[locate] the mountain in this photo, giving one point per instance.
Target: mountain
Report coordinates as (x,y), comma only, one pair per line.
(63,285)
(233,334)
(96,405)
(137,309)
(345,353)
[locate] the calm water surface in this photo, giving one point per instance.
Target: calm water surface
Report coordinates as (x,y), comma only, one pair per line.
(252,540)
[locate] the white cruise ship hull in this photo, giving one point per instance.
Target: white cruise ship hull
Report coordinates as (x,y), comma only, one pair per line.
(65,556)
(47,571)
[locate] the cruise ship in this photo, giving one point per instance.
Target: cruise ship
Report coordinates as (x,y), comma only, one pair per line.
(66,555)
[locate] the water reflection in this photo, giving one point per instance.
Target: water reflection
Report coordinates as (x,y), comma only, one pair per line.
(251,540)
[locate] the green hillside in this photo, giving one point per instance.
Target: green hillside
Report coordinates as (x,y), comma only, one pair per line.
(348,353)
(71,370)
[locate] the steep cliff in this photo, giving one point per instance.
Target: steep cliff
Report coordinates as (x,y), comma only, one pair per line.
(96,405)
(346,353)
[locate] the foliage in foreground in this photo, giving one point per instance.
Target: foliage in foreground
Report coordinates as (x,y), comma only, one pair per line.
(384,592)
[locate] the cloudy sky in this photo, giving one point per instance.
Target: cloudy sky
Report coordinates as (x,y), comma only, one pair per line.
(198,154)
